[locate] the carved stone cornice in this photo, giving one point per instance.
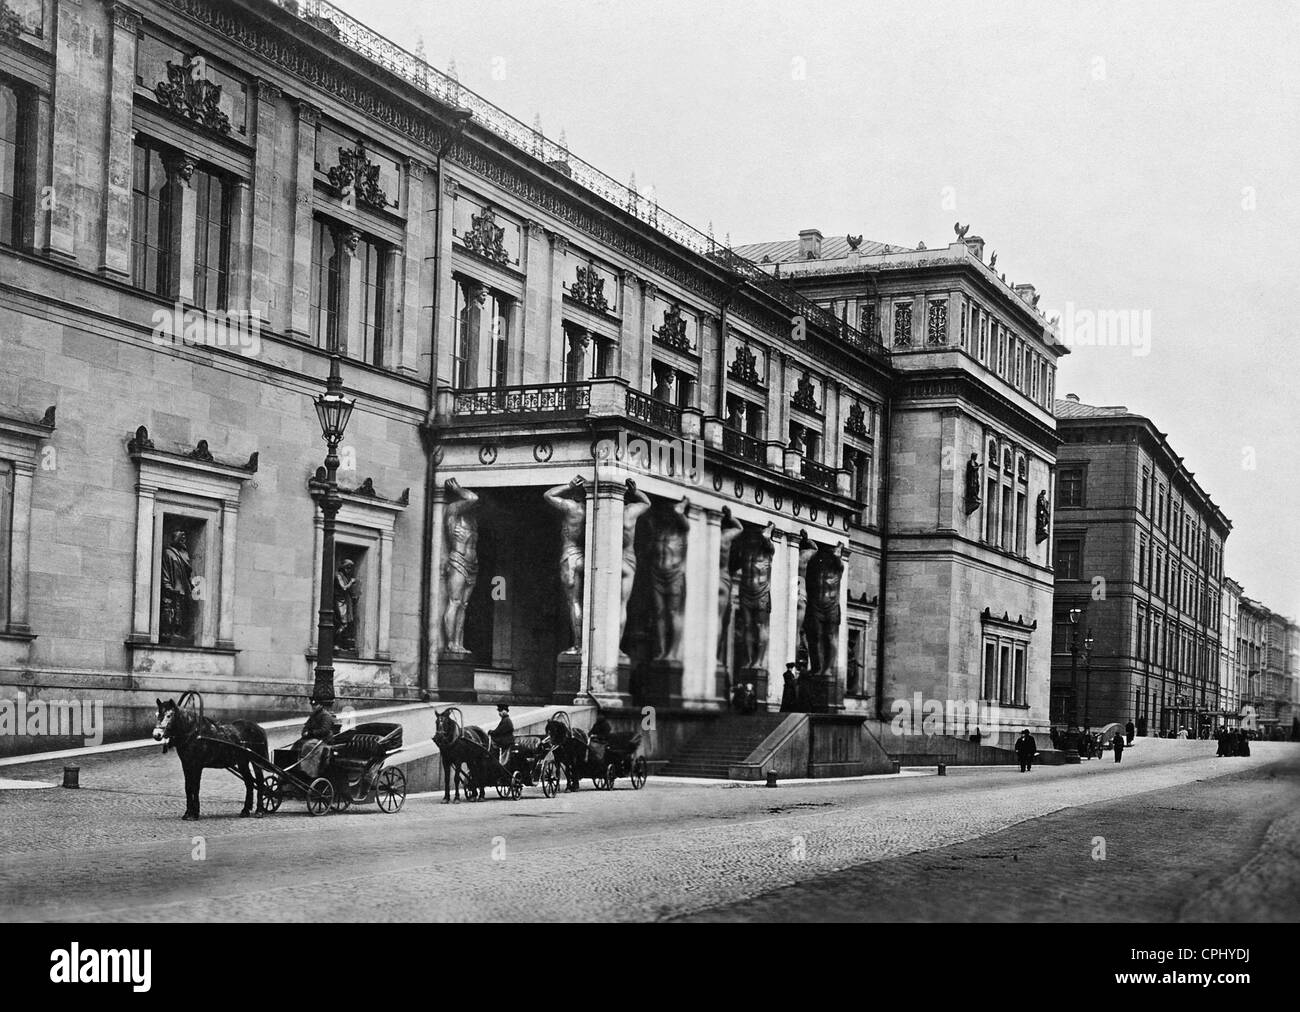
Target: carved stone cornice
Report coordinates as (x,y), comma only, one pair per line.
(649,290)
(141,448)
(534,229)
(417,169)
(450,186)
(307,112)
(559,243)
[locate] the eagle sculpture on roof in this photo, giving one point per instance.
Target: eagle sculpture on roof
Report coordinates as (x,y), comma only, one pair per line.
(854,241)
(960,229)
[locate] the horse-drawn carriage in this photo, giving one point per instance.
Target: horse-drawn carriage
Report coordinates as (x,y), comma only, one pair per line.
(602,758)
(470,761)
(351,770)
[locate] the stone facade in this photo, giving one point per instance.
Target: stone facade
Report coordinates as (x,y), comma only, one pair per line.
(216,197)
(1139,556)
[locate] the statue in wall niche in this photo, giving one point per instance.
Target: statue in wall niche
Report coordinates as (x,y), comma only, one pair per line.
(824,616)
(755,604)
(731,528)
(668,579)
(460,565)
(807,549)
(635,503)
(176,620)
(973,483)
(347,591)
(570,501)
(1043,518)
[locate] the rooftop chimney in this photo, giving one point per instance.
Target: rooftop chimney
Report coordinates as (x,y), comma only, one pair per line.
(1072,397)
(975,244)
(810,244)
(1026,292)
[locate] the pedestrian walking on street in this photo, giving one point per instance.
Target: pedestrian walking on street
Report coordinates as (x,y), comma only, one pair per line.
(1119,746)
(1243,743)
(1182,734)
(1129,730)
(1026,749)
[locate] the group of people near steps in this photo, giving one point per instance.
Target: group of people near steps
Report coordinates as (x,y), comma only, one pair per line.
(1233,741)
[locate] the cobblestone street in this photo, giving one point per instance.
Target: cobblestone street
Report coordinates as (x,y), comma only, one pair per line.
(1187,836)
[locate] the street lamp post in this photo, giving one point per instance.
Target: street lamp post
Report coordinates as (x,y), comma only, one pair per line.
(1087,677)
(333,410)
(1074,666)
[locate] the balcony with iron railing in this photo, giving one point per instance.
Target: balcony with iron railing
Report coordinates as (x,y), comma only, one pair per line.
(324,17)
(654,412)
(743,445)
(820,475)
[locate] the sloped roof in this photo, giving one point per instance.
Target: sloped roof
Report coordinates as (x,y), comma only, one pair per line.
(1077,409)
(834,247)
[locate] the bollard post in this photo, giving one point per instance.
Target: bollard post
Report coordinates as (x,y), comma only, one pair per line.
(771,778)
(943,769)
(71,776)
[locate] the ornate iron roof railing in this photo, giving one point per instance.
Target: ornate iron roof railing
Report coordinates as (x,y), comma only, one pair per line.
(344,28)
(533,398)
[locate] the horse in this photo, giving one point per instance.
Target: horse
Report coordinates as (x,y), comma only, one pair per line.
(463,750)
(571,749)
(180,726)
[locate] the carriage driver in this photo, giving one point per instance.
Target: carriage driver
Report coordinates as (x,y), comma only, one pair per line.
(503,735)
(317,732)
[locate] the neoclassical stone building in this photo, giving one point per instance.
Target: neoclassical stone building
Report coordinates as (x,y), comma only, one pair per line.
(594,453)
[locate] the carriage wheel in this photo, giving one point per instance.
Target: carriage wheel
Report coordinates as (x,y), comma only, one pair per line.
(550,779)
(639,772)
(515,789)
(503,790)
(573,781)
(598,783)
(320,796)
(611,774)
(342,800)
(390,789)
(272,792)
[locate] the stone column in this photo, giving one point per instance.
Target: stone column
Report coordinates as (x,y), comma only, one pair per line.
(20,547)
(444,327)
(142,617)
(700,631)
(535,313)
(70,100)
(631,313)
(605,579)
(261,222)
(557,346)
(385,593)
(407,297)
(347,333)
(38,225)
(226,618)
(241,227)
(304,201)
(514,340)
(486,331)
(180,167)
(115,222)
(639,363)
(437,551)
(785,594)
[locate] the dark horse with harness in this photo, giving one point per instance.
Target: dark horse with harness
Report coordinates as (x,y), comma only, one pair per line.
(464,751)
(203,743)
(572,748)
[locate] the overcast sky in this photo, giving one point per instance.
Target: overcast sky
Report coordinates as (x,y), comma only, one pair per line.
(1120,156)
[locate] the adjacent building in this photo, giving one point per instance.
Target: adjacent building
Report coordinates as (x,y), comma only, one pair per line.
(1138,557)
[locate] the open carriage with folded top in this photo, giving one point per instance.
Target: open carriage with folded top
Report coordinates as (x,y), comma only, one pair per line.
(604,759)
(530,762)
(352,773)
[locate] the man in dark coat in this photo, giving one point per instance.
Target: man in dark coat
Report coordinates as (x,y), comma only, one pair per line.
(1026,749)
(503,735)
(790,693)
(1130,730)
(313,745)
(1243,743)
(1119,745)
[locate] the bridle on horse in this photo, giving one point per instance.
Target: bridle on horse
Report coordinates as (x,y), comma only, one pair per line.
(187,699)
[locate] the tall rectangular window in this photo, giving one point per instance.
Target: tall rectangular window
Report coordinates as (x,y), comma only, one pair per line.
(984,339)
(1069,559)
(1070,487)
(989,688)
(1004,673)
(374,288)
(1022,521)
(211,239)
(151,221)
(16,138)
(1018,682)
(937,322)
(500,308)
(903,324)
(326,257)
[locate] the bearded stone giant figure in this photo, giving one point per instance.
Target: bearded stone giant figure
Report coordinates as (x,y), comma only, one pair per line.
(570,502)
(668,579)
(635,503)
(755,606)
(460,566)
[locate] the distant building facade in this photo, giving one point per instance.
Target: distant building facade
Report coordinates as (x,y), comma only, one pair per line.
(1139,556)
